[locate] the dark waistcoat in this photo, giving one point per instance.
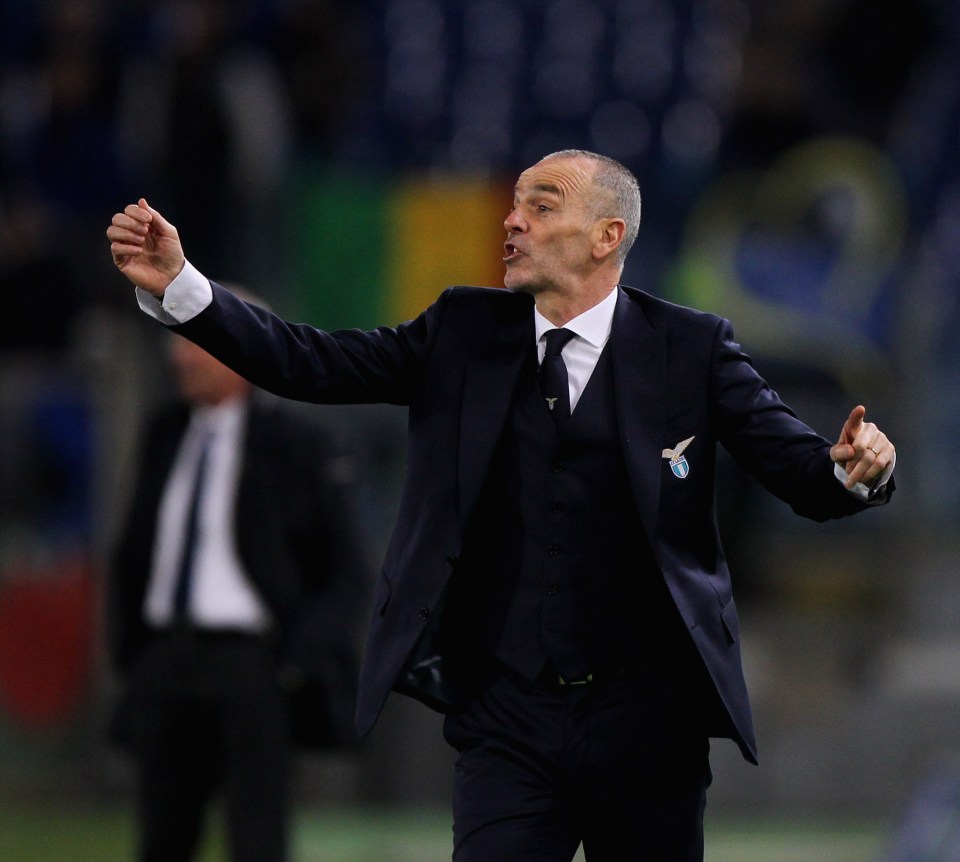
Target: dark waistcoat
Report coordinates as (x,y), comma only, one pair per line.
(555,566)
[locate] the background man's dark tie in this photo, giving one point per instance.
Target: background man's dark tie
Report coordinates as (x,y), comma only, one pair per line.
(181,594)
(552,376)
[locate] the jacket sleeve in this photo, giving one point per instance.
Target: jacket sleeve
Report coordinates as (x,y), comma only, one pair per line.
(300,362)
(766,438)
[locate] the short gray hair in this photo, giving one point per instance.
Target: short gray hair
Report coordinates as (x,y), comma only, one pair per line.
(616,193)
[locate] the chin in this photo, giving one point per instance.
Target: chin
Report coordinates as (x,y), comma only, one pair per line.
(520,286)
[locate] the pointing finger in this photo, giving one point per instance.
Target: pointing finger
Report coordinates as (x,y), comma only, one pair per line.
(853,424)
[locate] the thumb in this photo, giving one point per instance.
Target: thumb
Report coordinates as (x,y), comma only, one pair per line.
(161,224)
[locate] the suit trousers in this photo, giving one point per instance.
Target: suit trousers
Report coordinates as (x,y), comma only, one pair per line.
(620,765)
(207,715)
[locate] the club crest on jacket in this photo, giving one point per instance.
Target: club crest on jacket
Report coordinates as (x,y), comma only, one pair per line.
(678,462)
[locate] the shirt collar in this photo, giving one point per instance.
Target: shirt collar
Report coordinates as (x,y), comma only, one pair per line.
(593,326)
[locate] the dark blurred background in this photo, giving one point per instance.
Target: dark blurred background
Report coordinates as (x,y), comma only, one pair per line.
(800,163)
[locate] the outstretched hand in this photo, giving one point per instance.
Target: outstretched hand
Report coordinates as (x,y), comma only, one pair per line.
(863,450)
(145,247)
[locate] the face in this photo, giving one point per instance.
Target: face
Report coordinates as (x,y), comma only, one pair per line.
(549,233)
(201,379)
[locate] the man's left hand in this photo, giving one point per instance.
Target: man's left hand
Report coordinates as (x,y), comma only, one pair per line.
(863,450)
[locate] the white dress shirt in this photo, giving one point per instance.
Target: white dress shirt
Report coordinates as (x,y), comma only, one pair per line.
(580,354)
(221,595)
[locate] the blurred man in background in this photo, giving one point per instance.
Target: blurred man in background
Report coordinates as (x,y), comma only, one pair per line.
(236,589)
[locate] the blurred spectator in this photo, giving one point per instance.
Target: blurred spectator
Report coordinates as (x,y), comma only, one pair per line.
(323,52)
(255,647)
(58,166)
(36,279)
(822,67)
(206,121)
(57,111)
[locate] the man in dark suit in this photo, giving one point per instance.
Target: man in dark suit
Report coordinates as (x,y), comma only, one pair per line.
(237,586)
(555,582)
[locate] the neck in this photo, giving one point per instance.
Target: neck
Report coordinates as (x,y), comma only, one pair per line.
(560,309)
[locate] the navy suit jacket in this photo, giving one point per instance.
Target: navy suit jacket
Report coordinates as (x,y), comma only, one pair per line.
(299,546)
(678,374)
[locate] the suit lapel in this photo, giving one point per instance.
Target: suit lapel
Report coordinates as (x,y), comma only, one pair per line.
(639,377)
(490,381)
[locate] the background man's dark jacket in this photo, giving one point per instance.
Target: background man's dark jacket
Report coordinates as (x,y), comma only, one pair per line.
(298,542)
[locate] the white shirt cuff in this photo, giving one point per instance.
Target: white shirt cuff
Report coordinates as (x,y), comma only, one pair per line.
(185,297)
(861,490)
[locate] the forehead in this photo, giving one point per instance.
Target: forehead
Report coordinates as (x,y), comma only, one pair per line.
(564,177)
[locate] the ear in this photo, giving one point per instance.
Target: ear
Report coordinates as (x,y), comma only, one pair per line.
(609,234)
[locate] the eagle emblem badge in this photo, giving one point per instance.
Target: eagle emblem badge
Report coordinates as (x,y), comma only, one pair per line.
(678,462)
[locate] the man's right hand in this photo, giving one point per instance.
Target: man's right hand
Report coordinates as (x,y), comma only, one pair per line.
(145,247)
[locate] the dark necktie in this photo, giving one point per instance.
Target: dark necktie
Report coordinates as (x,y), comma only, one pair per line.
(552,377)
(181,593)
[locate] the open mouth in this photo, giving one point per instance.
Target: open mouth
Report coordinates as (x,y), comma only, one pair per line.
(511,252)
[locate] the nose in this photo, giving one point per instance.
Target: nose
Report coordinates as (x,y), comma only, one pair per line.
(513,223)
